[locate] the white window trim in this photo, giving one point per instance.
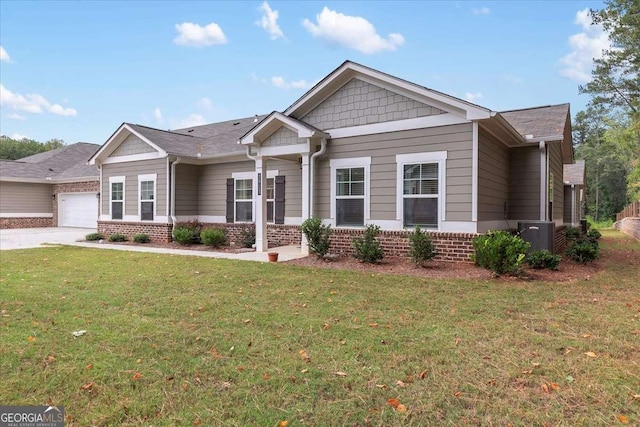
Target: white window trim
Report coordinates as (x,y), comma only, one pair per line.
(355,162)
(439,157)
(114,180)
(253,175)
(148,177)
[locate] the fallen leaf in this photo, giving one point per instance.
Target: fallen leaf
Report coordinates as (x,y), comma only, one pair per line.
(636,396)
(246,321)
(89,366)
(137,376)
(393,402)
(401,408)
(591,354)
(400,383)
(545,388)
(373,325)
(623,419)
(51,358)
(383,386)
(185,386)
(31,338)
(341,374)
(554,386)
(283,423)
(457,394)
(424,374)
(266,376)
(304,355)
(325,326)
(196,422)
(87,386)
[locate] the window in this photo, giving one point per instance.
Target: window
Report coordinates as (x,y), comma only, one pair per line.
(420,184)
(350,191)
(116,197)
(271,197)
(244,200)
(147,196)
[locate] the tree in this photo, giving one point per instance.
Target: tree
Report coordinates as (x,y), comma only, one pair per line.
(12,149)
(616,76)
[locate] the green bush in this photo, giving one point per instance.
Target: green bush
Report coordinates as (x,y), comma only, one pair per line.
(584,251)
(141,238)
(318,236)
(117,237)
(543,259)
(593,234)
(215,237)
(248,237)
(368,247)
(500,252)
(573,233)
(91,237)
(421,249)
(187,232)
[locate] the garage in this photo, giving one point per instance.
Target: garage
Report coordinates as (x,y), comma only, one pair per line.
(78,210)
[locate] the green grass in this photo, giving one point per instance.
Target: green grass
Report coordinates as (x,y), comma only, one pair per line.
(186,341)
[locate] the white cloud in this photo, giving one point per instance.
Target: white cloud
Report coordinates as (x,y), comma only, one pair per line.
(353,32)
(4,56)
(16,116)
(269,21)
(194,35)
(481,11)
(157,114)
(18,137)
(205,104)
(32,103)
(585,47)
(280,82)
(191,121)
(472,96)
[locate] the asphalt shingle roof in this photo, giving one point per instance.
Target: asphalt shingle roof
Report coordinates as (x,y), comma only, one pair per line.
(574,173)
(544,121)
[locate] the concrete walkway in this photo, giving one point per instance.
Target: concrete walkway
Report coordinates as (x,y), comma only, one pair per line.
(25,238)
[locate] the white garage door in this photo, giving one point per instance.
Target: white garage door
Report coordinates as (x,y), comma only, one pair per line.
(78,210)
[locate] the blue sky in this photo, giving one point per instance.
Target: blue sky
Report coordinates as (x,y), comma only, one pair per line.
(77,70)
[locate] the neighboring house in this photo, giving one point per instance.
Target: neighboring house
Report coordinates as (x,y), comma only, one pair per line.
(361,147)
(574,186)
(57,188)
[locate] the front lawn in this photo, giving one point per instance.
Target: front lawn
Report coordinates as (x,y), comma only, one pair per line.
(175,340)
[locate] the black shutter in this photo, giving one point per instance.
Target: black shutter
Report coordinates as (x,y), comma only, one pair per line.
(230,199)
(279,208)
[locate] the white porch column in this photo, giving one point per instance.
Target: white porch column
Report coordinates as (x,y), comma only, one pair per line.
(306,199)
(261,205)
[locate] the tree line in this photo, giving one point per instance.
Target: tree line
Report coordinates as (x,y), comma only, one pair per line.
(607,133)
(13,149)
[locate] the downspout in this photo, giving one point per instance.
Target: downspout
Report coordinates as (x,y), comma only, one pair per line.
(543,181)
(173,193)
(323,148)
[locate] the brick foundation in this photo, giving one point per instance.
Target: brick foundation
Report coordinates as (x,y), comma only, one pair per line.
(25,223)
(72,187)
(160,233)
(629,226)
(560,239)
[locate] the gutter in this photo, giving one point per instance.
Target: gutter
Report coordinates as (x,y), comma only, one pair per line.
(173,193)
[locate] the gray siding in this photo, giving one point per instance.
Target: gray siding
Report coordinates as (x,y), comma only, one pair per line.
(493,178)
(212,192)
(283,136)
(132,145)
(568,205)
(360,103)
(131,170)
(293,185)
(187,189)
(456,140)
(22,197)
(524,183)
(555,167)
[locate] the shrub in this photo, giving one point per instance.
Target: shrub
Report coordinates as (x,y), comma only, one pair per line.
(573,233)
(187,232)
(421,249)
(91,237)
(213,237)
(141,238)
(368,247)
(248,237)
(584,251)
(500,252)
(543,259)
(117,237)
(318,236)
(593,234)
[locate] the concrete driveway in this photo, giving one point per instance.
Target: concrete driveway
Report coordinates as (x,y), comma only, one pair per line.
(23,238)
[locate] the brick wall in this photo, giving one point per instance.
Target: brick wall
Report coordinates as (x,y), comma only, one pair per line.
(25,223)
(277,234)
(160,233)
(630,226)
(72,187)
(560,239)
